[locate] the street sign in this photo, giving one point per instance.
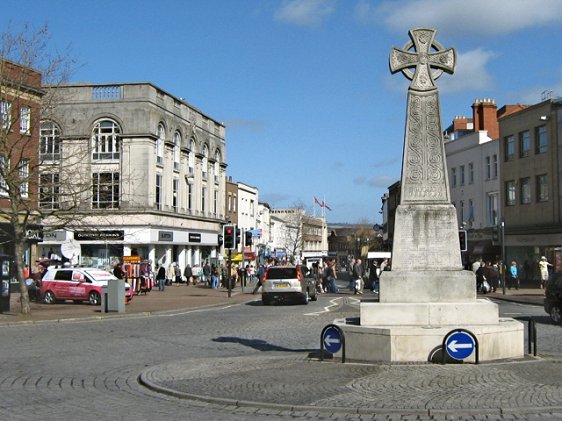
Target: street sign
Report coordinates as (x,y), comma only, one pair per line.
(332,339)
(460,344)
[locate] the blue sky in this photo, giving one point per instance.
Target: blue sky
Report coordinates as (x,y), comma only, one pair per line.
(303,86)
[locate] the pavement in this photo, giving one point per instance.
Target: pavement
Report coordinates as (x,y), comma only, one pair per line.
(297,385)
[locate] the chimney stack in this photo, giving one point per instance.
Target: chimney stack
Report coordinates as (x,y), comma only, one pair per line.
(485,116)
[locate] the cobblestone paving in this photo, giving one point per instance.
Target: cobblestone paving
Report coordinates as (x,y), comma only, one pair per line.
(506,390)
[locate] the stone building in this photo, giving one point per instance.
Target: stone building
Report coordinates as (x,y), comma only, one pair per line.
(531,157)
(153,171)
(20,99)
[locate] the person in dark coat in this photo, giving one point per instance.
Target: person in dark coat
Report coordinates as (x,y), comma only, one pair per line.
(188,273)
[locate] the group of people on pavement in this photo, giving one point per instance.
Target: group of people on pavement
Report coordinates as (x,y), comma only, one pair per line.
(488,274)
(213,275)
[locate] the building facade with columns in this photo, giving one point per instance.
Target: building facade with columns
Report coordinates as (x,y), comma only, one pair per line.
(154,171)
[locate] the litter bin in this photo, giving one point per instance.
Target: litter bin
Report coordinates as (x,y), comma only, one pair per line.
(113,296)
(5,296)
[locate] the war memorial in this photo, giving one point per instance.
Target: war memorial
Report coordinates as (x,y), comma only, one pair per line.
(427,294)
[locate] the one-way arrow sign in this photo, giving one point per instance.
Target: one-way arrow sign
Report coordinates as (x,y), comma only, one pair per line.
(460,344)
(332,339)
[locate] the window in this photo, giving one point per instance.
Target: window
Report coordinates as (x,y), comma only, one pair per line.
(49,191)
(203,197)
(161,133)
(190,197)
(462,174)
(524,144)
(492,208)
(191,157)
(106,140)
(217,166)
(488,168)
(470,173)
(542,188)
(158,198)
(509,148)
(6,114)
(23,172)
(105,190)
(453,177)
(215,202)
(495,166)
(175,194)
(510,193)
(4,171)
(50,146)
(461,209)
(25,119)
(205,161)
(470,211)
(176,152)
(542,140)
(525,190)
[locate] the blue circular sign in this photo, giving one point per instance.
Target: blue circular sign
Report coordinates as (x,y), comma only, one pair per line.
(332,339)
(460,345)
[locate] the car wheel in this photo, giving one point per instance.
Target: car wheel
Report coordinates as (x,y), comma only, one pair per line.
(556,314)
(94,298)
(49,298)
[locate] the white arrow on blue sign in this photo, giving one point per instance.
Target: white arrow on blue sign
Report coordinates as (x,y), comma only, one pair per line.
(332,340)
(460,345)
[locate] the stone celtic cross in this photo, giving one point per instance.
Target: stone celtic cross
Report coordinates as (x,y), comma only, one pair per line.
(423,59)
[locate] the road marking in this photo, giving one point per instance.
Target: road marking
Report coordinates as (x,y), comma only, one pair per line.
(333,303)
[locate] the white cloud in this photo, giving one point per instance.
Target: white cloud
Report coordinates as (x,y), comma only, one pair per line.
(470,72)
(305,12)
(377,181)
(465,17)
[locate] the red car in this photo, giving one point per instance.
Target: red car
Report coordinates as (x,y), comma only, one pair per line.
(77,284)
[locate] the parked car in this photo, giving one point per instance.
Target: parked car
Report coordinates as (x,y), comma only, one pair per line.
(284,283)
(77,284)
(553,298)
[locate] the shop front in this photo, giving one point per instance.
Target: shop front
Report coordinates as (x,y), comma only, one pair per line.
(104,248)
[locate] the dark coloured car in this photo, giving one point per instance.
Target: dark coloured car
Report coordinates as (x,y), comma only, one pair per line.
(284,283)
(553,298)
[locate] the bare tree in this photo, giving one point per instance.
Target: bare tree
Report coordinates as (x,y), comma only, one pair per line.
(26,64)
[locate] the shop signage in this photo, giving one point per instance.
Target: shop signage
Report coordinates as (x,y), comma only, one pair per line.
(165,236)
(194,237)
(34,235)
(99,235)
(131,259)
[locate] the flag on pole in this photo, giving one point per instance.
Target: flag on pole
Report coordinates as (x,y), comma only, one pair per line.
(327,207)
(318,202)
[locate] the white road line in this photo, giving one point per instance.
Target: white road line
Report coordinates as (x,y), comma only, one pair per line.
(333,303)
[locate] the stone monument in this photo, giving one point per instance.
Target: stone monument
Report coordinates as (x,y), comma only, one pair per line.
(427,293)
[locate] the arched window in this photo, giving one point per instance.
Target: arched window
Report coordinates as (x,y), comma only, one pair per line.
(205,161)
(50,147)
(161,133)
(191,157)
(106,140)
(216,169)
(177,144)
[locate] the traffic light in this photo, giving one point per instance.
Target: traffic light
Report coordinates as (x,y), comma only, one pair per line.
(229,236)
(237,237)
(463,240)
(248,238)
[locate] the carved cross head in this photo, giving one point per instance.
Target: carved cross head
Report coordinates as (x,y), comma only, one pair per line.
(428,60)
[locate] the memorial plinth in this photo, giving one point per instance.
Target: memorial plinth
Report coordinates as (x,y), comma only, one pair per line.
(427,293)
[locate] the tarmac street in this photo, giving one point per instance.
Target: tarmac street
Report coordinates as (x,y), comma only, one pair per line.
(195,353)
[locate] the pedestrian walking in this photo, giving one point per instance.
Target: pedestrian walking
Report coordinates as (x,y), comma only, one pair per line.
(161,277)
(543,267)
(513,276)
(187,273)
(357,276)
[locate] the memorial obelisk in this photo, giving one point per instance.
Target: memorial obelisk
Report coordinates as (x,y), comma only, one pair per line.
(427,293)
